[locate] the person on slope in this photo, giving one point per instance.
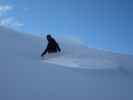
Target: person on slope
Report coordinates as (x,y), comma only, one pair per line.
(52,46)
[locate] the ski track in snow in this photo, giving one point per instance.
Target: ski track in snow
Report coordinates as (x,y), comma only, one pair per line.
(78,63)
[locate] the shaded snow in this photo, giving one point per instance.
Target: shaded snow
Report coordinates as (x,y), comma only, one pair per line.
(78,73)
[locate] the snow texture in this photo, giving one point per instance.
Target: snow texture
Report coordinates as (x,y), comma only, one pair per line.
(77,73)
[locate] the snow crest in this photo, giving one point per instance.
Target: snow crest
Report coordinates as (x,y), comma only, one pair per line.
(78,73)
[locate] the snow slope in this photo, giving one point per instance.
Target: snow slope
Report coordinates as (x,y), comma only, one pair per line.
(78,73)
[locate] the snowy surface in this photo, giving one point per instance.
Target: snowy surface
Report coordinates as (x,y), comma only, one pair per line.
(78,73)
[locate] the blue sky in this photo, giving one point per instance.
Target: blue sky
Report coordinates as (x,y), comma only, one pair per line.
(105,24)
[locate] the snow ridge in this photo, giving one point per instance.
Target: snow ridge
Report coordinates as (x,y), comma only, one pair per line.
(78,73)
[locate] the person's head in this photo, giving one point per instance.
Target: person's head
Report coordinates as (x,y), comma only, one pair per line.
(49,37)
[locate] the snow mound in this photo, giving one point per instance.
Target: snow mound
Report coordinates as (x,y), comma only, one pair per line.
(79,56)
(78,73)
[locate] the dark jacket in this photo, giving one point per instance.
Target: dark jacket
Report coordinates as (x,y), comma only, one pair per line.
(52,47)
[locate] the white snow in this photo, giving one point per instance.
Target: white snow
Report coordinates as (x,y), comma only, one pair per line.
(78,73)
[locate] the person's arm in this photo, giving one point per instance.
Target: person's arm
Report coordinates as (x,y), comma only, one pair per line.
(46,50)
(56,44)
(58,48)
